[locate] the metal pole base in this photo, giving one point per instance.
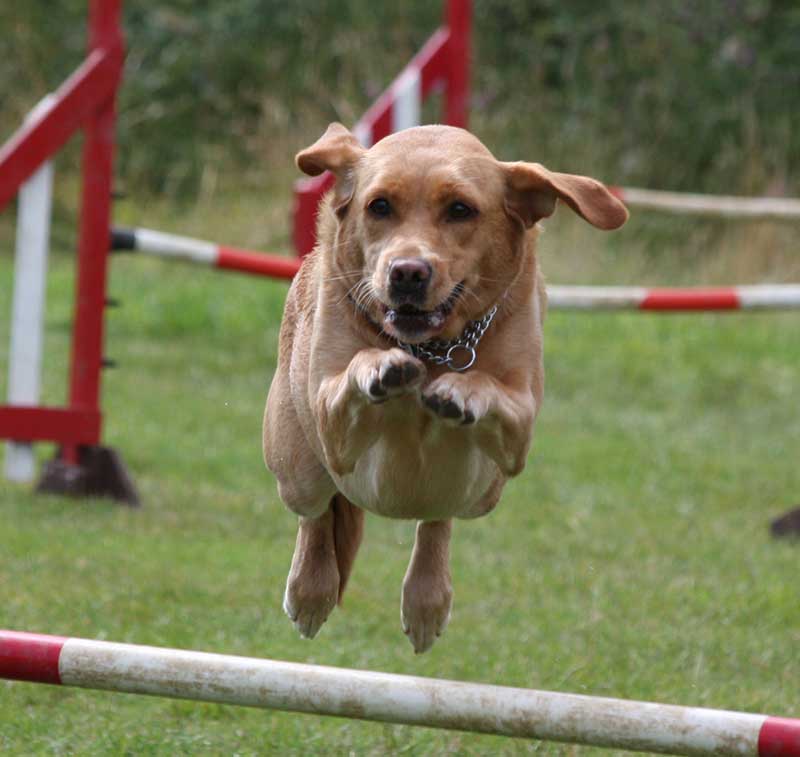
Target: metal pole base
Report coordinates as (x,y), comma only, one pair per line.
(788,525)
(100,472)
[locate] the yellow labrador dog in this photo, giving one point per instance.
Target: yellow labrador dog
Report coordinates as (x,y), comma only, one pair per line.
(410,364)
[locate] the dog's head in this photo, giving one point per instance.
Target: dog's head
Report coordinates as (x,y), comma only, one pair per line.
(431,227)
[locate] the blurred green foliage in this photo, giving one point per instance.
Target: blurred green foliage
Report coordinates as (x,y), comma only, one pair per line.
(684,94)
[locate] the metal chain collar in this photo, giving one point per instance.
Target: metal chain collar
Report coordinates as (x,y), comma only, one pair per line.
(466,343)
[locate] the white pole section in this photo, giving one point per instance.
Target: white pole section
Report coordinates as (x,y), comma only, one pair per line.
(594,298)
(28,304)
(174,246)
(405,699)
(725,206)
(363,133)
(407,100)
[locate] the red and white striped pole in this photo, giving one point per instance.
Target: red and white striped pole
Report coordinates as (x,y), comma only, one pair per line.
(763,297)
(390,698)
(191,250)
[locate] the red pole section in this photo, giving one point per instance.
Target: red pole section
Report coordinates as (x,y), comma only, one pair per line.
(94,230)
(274,266)
(30,656)
(459,21)
(691,299)
(779,737)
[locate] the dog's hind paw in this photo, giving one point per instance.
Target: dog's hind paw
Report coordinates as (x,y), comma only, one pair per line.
(308,603)
(425,611)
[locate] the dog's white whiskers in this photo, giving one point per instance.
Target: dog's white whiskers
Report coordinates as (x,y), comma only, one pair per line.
(341,276)
(349,292)
(464,292)
(366,295)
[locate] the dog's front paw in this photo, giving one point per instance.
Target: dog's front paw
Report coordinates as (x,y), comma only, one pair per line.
(454,398)
(311,593)
(388,374)
(425,608)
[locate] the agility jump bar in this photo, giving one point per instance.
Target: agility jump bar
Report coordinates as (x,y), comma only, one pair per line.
(390,698)
(191,250)
(720,206)
(764,297)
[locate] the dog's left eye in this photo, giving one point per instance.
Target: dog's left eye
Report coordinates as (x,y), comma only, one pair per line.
(380,207)
(458,211)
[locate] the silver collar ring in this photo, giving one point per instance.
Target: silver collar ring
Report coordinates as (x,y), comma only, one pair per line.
(467,343)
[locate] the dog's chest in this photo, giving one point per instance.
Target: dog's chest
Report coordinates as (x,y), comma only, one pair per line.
(419,469)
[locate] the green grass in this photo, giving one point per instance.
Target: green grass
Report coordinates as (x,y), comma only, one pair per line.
(632,557)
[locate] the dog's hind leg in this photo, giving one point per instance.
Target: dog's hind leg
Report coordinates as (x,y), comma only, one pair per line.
(427,589)
(348,528)
(312,588)
(323,558)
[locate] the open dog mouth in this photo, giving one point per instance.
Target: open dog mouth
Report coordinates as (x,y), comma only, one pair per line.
(410,323)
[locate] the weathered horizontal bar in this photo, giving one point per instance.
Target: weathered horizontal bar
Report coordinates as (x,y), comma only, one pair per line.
(721,206)
(391,698)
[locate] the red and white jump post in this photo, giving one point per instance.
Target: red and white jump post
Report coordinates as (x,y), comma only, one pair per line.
(86,100)
(390,698)
(442,65)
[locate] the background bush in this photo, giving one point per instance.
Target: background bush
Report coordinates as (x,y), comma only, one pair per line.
(678,94)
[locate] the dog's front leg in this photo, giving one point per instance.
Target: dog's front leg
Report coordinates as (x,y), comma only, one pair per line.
(348,403)
(500,416)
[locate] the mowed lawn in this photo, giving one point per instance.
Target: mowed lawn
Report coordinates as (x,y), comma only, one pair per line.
(632,558)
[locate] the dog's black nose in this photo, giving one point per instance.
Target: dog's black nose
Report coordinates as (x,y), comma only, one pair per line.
(409,277)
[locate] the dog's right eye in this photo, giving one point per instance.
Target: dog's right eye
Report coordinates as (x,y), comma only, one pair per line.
(380,207)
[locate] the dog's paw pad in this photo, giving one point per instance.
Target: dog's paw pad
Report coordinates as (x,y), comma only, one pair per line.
(424,621)
(393,376)
(377,392)
(308,610)
(449,409)
(397,374)
(432,402)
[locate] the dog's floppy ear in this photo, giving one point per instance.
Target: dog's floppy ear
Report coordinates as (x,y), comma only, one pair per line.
(337,151)
(532,192)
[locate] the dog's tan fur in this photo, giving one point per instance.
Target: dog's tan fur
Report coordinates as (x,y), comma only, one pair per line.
(353,422)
